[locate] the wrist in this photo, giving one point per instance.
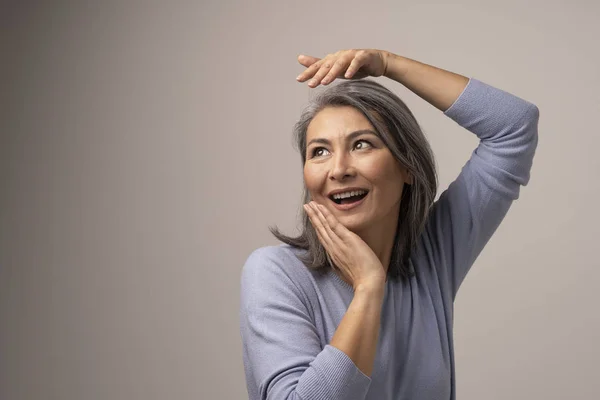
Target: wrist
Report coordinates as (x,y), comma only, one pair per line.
(395,66)
(374,287)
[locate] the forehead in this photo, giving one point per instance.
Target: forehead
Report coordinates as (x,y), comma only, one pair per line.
(332,121)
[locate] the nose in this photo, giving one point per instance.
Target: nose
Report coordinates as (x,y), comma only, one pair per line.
(341,167)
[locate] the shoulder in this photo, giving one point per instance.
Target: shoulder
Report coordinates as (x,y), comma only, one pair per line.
(281,257)
(281,252)
(277,268)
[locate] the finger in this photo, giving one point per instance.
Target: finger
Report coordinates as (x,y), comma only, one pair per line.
(321,223)
(325,68)
(318,225)
(336,245)
(318,231)
(335,71)
(355,65)
(325,235)
(307,61)
(337,231)
(335,240)
(309,72)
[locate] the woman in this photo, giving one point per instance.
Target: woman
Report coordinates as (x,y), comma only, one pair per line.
(360,305)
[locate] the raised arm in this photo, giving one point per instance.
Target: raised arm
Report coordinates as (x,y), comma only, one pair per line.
(437,86)
(468,213)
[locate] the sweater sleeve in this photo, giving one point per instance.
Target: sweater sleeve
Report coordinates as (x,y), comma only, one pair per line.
(282,353)
(466,214)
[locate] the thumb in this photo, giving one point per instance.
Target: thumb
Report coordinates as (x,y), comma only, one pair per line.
(307,61)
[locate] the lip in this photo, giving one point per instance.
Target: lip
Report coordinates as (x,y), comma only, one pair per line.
(346,207)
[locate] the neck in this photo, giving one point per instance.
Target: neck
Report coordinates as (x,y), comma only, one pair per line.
(380,239)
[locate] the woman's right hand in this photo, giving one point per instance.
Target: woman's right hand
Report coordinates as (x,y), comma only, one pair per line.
(354,258)
(344,64)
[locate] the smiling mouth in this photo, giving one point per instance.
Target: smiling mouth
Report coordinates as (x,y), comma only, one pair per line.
(349,200)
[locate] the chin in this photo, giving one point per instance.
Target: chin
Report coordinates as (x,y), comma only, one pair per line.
(352,222)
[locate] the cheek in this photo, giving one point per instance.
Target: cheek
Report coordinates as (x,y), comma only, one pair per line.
(378,172)
(308,177)
(386,177)
(311,178)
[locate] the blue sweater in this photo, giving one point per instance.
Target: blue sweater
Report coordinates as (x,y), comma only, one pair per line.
(288,313)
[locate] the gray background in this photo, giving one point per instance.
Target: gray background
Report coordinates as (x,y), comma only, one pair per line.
(146,146)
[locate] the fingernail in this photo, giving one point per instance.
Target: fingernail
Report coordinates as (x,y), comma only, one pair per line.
(298,77)
(312,82)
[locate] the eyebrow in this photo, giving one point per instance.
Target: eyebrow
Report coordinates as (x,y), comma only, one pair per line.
(350,136)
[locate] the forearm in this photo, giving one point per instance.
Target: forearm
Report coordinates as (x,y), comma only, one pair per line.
(437,86)
(358,332)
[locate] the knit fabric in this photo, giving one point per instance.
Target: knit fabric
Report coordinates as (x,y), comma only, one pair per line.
(288,313)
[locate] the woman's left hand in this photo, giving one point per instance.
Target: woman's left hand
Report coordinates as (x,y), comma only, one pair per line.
(345,64)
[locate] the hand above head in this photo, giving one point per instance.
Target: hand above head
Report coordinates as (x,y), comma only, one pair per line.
(344,64)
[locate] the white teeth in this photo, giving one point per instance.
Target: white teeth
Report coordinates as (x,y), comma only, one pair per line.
(340,196)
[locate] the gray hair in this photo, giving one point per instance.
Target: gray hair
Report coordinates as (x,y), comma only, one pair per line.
(396,126)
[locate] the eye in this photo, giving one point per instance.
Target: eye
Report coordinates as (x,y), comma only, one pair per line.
(363,140)
(314,151)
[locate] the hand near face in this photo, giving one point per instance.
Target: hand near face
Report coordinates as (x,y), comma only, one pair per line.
(355,259)
(345,64)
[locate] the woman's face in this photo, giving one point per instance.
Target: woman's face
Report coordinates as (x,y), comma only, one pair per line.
(346,160)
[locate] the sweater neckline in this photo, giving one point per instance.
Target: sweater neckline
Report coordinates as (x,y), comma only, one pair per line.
(339,279)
